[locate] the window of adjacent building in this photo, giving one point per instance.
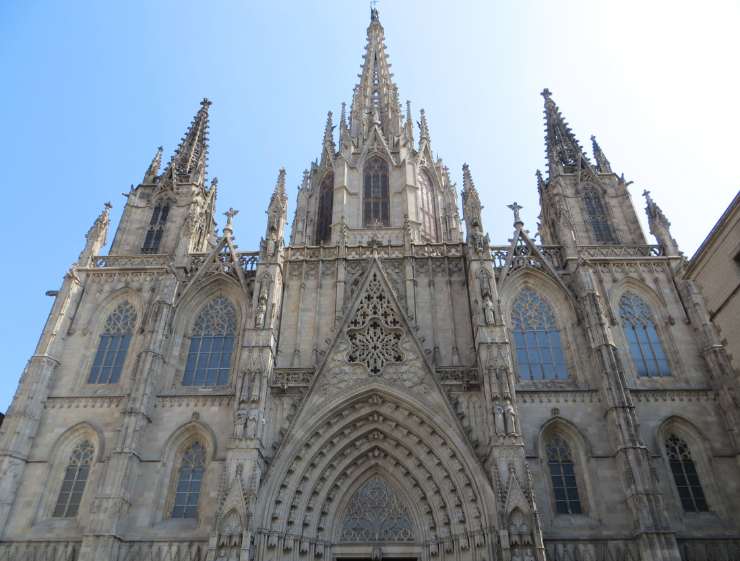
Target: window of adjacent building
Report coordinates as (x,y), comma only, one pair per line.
(375,193)
(596,216)
(156,228)
(644,344)
(189,482)
(563,476)
(539,349)
(427,207)
(684,475)
(75,479)
(113,345)
(326,204)
(211,345)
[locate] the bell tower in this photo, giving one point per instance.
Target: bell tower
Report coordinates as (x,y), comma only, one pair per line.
(377,183)
(583,203)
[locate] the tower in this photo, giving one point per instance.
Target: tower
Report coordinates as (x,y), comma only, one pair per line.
(381,386)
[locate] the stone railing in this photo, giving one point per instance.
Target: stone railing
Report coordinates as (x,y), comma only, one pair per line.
(162,551)
(40,551)
(596,251)
(248,261)
(284,378)
(311,253)
(523,257)
(131,261)
(709,550)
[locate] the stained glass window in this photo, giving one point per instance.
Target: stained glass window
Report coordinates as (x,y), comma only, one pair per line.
(596,216)
(326,204)
(427,207)
(212,344)
(75,479)
(189,481)
(376,514)
(113,345)
(375,193)
(156,228)
(539,350)
(685,476)
(563,475)
(645,347)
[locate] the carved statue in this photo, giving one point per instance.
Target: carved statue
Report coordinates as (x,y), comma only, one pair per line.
(239,423)
(251,426)
(259,319)
(510,418)
(488,310)
(499,420)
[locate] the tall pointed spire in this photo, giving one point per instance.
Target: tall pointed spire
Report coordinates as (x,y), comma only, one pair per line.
(471,200)
(96,236)
(564,153)
(376,96)
(153,169)
(191,157)
(328,148)
(659,225)
(602,164)
(277,217)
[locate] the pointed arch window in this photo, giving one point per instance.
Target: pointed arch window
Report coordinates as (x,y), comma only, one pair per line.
(644,344)
(211,345)
(156,228)
(326,206)
(539,349)
(189,482)
(376,514)
(75,480)
(563,476)
(427,207)
(375,193)
(113,345)
(684,475)
(596,216)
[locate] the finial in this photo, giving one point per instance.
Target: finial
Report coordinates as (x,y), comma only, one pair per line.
(408,110)
(546,93)
(516,207)
(374,10)
(108,205)
(230,214)
(205,102)
(423,126)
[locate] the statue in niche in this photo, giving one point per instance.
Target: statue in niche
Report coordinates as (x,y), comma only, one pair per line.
(250,431)
(510,417)
(259,318)
(240,423)
(488,310)
(499,419)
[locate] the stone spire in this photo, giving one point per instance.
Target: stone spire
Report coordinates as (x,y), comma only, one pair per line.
(328,148)
(191,157)
(95,237)
(153,169)
(660,227)
(408,126)
(423,127)
(564,153)
(375,97)
(471,204)
(602,164)
(276,218)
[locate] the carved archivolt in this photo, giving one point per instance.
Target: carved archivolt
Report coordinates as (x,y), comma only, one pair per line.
(380,434)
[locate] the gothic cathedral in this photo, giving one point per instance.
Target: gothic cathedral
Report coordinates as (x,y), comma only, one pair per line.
(384,386)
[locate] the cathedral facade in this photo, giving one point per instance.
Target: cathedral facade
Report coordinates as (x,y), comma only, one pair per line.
(382,386)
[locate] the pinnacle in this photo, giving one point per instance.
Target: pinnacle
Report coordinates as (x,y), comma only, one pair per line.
(423,126)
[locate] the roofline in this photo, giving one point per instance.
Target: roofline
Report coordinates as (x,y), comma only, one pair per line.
(708,240)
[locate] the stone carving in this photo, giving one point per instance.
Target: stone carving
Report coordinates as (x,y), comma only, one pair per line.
(488,310)
(510,418)
(376,514)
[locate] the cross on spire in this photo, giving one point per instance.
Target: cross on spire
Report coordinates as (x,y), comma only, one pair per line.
(230,214)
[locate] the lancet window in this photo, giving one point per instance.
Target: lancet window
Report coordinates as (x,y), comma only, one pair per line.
(539,349)
(596,216)
(563,476)
(75,479)
(375,193)
(427,207)
(156,228)
(211,345)
(376,514)
(684,475)
(644,344)
(113,345)
(189,482)
(326,204)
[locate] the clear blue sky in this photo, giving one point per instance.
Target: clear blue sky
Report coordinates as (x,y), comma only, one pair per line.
(91,88)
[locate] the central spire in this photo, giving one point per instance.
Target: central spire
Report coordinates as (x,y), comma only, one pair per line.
(375,98)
